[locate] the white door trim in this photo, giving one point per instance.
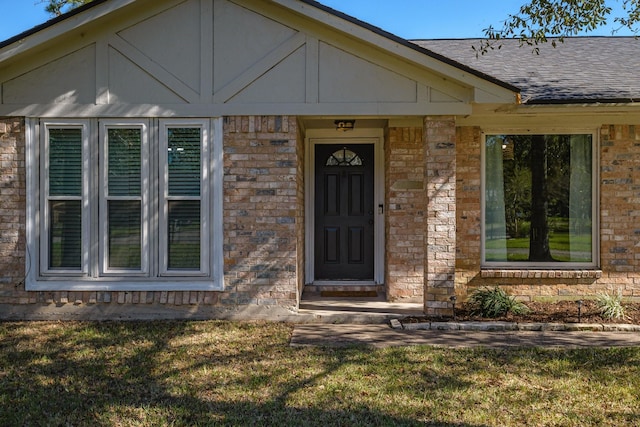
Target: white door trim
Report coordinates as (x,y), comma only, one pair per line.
(358,136)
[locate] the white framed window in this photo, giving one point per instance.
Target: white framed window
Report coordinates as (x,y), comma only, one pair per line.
(124,204)
(184,196)
(539,204)
(64,223)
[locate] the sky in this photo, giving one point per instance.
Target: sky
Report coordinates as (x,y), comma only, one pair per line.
(410,19)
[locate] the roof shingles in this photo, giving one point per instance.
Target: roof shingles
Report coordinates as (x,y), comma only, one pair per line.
(580,70)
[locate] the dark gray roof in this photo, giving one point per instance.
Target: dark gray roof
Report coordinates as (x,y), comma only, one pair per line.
(580,70)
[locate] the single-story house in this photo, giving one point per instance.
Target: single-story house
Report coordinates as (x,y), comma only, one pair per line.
(221,157)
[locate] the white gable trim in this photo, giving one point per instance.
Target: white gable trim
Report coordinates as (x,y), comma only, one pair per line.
(315,63)
(364,34)
(71,23)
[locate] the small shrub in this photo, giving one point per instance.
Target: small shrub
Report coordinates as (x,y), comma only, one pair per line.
(495,302)
(610,306)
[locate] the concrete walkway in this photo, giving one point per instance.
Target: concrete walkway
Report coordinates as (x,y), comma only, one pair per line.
(381,335)
(339,322)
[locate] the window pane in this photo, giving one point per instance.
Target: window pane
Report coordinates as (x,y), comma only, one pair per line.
(124,234)
(65,234)
(344,157)
(124,162)
(184,235)
(65,162)
(184,161)
(538,198)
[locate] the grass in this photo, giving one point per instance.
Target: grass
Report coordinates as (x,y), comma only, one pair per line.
(226,373)
(559,244)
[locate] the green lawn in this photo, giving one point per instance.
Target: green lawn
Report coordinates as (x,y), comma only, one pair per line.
(225,373)
(518,248)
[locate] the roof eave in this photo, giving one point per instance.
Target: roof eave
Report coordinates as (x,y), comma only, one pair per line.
(413,46)
(50,23)
(58,26)
(582,101)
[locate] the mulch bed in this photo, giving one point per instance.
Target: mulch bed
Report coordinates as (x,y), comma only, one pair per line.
(543,312)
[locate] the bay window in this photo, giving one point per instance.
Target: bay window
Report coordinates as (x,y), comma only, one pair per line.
(125,204)
(539,204)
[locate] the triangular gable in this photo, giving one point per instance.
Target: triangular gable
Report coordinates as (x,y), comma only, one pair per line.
(226,57)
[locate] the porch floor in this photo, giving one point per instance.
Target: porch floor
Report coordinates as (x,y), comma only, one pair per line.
(358,310)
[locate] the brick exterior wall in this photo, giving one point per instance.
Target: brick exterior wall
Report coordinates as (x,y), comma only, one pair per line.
(432,225)
(405,213)
(263,234)
(620,208)
(619,229)
(300,213)
(263,218)
(421,209)
(440,155)
(12,211)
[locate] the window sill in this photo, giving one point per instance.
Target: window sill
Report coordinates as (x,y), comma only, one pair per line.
(116,286)
(521,273)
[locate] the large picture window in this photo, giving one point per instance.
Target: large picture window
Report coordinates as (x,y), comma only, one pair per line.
(125,204)
(539,200)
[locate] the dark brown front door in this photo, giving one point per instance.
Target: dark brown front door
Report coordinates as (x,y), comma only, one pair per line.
(344,215)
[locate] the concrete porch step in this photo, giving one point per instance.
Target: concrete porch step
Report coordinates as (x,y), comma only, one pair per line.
(315,308)
(319,287)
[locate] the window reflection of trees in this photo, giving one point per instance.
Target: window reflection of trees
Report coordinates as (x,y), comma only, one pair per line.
(544,197)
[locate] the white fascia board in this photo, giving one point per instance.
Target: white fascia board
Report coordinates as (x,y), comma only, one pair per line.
(413,55)
(209,110)
(60,28)
(554,116)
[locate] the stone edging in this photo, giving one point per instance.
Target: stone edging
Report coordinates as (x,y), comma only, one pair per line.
(512,326)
